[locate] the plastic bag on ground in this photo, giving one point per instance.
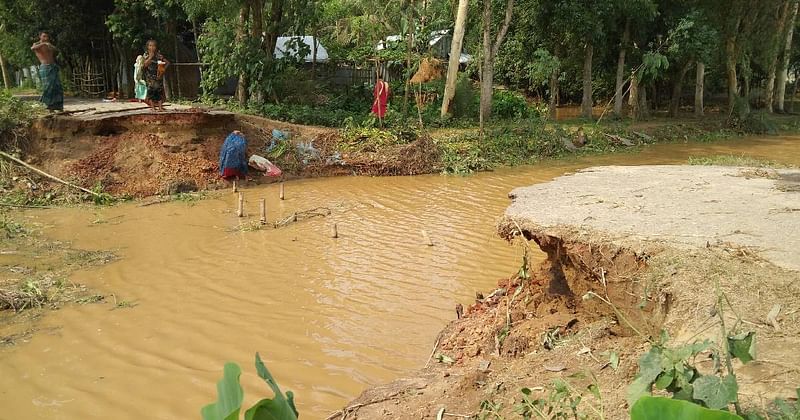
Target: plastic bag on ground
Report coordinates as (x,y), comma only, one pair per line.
(263,164)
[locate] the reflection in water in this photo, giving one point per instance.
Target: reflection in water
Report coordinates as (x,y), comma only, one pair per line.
(329,316)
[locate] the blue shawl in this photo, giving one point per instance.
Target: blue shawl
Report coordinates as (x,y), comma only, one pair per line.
(233,154)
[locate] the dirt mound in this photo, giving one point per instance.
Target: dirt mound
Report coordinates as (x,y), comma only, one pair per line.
(134,155)
(143,165)
(419,156)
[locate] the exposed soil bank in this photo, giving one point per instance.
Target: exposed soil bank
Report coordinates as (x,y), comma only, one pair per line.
(652,241)
(140,154)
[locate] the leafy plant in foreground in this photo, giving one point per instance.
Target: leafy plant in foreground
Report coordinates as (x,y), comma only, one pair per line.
(670,369)
(656,408)
(230,396)
(561,403)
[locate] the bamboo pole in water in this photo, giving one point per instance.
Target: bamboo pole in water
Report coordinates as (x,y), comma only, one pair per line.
(281,193)
(240,209)
(263,206)
(334,231)
(427,238)
(235,187)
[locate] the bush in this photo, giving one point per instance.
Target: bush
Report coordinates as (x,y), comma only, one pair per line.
(467,100)
(15,116)
(511,105)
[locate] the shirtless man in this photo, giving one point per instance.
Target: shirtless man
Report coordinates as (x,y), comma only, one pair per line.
(52,92)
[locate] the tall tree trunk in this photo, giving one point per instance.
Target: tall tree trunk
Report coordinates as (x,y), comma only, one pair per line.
(197,52)
(489,53)
(552,106)
(633,99)
(730,65)
(794,90)
(6,82)
(620,82)
(677,89)
(241,33)
(699,89)
(746,88)
(177,68)
(486,81)
(455,56)
(409,49)
(644,107)
(315,48)
(784,70)
(257,34)
(769,94)
(274,28)
(586,103)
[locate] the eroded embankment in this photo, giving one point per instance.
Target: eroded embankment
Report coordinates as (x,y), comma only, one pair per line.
(140,155)
(586,313)
(537,326)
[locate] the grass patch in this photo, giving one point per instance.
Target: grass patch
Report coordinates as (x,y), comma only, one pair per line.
(34,273)
(735,160)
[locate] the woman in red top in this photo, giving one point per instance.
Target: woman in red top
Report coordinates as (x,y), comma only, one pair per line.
(381,99)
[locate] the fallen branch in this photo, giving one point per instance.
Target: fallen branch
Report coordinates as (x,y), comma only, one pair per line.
(75,111)
(619,139)
(643,135)
(435,346)
(301,215)
(112,111)
(158,201)
(46,175)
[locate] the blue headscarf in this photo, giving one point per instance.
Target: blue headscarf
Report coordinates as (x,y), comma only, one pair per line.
(233,154)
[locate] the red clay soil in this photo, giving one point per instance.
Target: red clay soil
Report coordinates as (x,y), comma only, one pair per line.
(142,155)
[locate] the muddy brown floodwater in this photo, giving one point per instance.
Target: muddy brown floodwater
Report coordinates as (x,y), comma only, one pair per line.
(329,316)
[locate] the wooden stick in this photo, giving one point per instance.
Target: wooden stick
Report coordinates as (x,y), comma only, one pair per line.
(427,238)
(46,175)
(112,111)
(263,211)
(240,209)
(76,111)
(235,187)
(335,231)
(281,195)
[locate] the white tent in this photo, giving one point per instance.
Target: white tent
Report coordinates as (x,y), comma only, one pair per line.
(436,37)
(287,45)
(391,39)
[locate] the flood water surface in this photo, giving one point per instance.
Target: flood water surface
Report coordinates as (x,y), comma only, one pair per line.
(328,316)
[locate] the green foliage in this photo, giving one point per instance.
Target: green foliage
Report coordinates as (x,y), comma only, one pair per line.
(466,101)
(654,65)
(15,116)
(781,409)
(522,143)
(671,369)
(743,346)
(734,160)
(715,392)
(230,397)
(490,410)
(660,408)
(11,228)
(561,403)
(509,105)
(542,66)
